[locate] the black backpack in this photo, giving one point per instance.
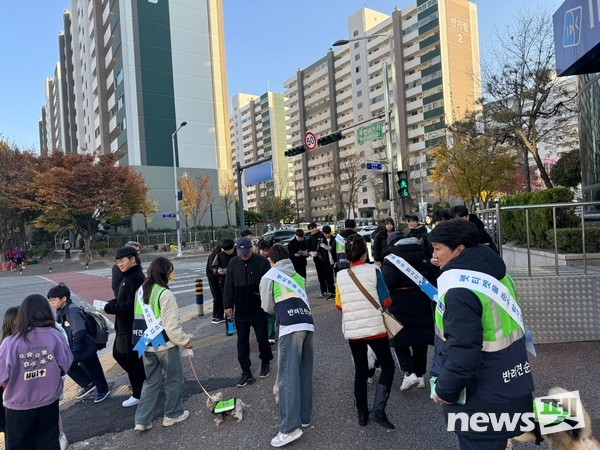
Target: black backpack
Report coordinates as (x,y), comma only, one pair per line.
(99,325)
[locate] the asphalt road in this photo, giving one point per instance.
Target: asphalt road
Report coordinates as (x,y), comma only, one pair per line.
(419,422)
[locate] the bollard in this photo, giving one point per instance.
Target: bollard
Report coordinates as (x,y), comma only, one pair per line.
(200,297)
(50,268)
(20,270)
(87,265)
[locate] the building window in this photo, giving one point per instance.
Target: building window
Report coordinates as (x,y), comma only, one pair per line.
(359,93)
(356,45)
(358,69)
(365,201)
(365,189)
(358,81)
(119,77)
(357,57)
(355,33)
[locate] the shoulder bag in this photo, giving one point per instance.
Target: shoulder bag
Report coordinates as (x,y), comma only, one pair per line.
(391,324)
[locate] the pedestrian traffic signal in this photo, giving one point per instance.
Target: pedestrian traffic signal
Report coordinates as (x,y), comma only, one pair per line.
(334,137)
(403,183)
(295,150)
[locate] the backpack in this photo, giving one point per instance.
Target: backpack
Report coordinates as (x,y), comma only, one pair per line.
(342,261)
(100,326)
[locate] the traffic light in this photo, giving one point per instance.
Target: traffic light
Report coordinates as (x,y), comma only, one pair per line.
(386,186)
(403,183)
(334,137)
(295,151)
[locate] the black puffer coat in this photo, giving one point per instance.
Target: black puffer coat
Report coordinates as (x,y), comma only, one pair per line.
(409,304)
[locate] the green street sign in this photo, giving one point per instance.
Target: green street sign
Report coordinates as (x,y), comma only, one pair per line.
(370,132)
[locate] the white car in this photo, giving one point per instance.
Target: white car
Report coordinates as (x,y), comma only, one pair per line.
(366,231)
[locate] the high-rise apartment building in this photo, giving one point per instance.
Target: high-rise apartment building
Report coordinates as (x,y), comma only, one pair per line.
(140,69)
(432,46)
(257,131)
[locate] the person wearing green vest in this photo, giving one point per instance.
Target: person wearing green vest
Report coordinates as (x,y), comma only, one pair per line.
(288,301)
(161,301)
(480,362)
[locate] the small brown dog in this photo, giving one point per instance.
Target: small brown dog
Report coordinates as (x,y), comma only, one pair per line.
(579,439)
(237,413)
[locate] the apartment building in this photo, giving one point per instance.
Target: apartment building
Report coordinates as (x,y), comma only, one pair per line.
(433,51)
(139,70)
(257,130)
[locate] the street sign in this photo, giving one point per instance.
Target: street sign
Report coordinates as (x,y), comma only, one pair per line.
(370,132)
(168,215)
(310,140)
(374,166)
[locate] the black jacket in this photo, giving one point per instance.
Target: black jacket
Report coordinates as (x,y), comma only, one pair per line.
(242,284)
(379,245)
(79,331)
(410,305)
(222,262)
(324,254)
(210,270)
(459,361)
(294,247)
(484,237)
(122,307)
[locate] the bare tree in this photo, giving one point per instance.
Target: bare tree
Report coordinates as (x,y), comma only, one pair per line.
(351,177)
(228,196)
(525,100)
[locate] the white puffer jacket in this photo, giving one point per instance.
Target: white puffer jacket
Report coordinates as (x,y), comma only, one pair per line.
(360,319)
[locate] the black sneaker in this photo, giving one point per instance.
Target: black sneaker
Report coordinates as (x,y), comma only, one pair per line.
(218,320)
(246,378)
(265,369)
(331,297)
(85,391)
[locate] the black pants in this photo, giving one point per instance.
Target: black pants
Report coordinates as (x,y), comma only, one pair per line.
(300,268)
(329,279)
(413,362)
(32,429)
(129,360)
(320,266)
(217,294)
(381,348)
(89,371)
(67,253)
(258,321)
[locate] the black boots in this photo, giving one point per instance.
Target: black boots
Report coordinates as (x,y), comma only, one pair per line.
(363,409)
(378,412)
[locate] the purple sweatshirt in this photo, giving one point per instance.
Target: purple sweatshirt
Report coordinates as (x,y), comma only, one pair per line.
(31,371)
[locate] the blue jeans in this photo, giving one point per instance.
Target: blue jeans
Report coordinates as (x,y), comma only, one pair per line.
(155,363)
(467,443)
(271,326)
(295,379)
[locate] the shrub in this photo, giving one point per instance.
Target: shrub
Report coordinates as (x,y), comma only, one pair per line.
(156,246)
(569,239)
(540,219)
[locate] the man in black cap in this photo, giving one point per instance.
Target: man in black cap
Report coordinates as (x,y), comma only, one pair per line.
(242,294)
(122,307)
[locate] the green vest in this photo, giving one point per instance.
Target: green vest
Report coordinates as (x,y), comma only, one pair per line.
(139,323)
(281,291)
(499,329)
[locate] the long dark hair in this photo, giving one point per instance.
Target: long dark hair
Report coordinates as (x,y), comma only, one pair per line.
(34,312)
(158,273)
(8,323)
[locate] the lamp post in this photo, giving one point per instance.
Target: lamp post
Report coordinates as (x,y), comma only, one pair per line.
(386,98)
(177,223)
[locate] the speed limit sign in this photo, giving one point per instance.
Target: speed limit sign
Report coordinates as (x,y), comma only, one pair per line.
(310,140)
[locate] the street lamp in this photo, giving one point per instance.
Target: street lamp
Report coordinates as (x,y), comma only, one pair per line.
(386,98)
(177,224)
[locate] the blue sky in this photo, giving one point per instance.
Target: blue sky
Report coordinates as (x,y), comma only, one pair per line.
(266,42)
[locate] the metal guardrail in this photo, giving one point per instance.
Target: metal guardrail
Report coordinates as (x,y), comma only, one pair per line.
(492,216)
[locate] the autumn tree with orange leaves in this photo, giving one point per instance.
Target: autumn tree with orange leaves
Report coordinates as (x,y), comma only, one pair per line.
(197,197)
(84,190)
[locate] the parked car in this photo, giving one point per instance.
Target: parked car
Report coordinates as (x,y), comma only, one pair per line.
(366,231)
(278,237)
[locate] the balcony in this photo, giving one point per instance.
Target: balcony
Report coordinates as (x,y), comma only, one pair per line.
(411,120)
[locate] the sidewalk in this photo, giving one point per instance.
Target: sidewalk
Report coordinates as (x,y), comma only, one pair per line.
(419,422)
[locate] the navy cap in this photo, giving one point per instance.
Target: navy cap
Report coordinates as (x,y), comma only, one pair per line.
(243,246)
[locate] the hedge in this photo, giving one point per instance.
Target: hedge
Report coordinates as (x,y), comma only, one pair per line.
(540,219)
(569,239)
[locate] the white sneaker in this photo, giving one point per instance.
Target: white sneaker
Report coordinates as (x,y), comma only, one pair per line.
(168,421)
(131,401)
(140,427)
(421,382)
(409,381)
(283,439)
(63,441)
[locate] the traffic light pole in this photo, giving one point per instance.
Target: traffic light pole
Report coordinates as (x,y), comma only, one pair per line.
(388,135)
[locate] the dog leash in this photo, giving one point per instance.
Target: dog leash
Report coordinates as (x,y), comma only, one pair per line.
(196,376)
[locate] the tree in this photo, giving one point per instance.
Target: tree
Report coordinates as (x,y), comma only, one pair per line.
(148,207)
(196,198)
(525,100)
(228,196)
(474,166)
(348,181)
(84,190)
(567,170)
(276,210)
